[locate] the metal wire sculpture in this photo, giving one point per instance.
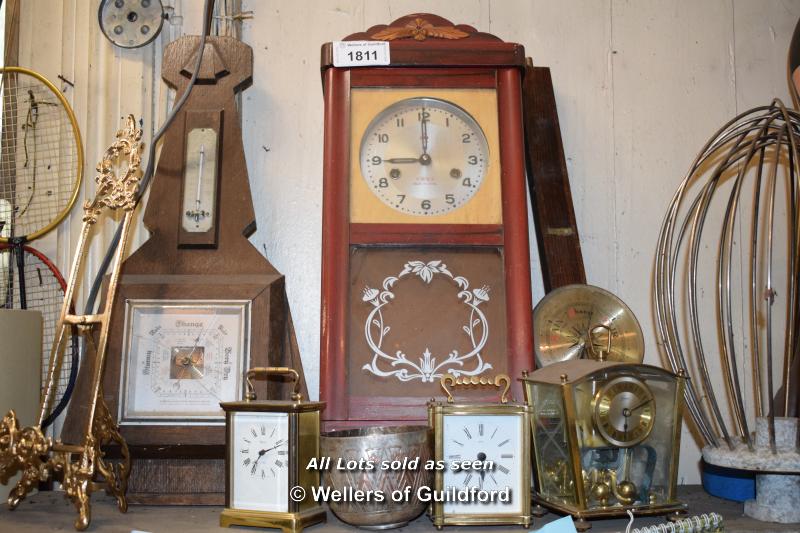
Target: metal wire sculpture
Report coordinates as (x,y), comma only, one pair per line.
(744,184)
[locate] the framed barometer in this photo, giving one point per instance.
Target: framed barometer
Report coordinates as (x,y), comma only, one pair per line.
(180,358)
(426,268)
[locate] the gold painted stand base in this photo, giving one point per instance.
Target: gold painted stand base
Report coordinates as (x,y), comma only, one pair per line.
(81,469)
(288,522)
(582,517)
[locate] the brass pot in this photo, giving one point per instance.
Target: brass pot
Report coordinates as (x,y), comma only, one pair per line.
(377,445)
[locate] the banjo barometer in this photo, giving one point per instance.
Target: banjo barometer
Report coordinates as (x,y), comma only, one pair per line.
(197,304)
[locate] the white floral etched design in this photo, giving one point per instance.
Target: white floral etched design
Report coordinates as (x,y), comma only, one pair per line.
(426,368)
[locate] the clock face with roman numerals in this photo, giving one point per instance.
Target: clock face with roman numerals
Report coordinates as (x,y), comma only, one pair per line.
(490,438)
(260,461)
(424,156)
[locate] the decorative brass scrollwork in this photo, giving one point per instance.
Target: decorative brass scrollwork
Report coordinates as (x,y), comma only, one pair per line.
(118,173)
(497,381)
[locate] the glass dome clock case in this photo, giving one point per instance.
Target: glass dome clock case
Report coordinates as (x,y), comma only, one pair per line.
(606,438)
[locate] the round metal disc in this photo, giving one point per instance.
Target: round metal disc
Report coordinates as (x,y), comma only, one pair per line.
(575,321)
(131,23)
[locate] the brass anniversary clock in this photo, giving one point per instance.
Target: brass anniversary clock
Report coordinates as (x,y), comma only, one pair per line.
(426,268)
(606,438)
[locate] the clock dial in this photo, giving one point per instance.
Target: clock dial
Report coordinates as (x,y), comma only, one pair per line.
(200,181)
(493,438)
(624,411)
(182,359)
(424,156)
(259,461)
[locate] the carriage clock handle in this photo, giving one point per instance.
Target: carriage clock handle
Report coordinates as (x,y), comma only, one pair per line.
(500,380)
(263,372)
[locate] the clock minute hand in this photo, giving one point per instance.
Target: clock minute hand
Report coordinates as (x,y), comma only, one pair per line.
(402,160)
(273,448)
(640,405)
(424,134)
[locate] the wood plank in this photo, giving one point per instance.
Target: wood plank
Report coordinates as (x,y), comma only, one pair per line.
(548,183)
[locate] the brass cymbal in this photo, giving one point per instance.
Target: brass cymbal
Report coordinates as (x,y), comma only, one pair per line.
(577,321)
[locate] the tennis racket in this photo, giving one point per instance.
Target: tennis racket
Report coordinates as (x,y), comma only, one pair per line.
(41,156)
(44,286)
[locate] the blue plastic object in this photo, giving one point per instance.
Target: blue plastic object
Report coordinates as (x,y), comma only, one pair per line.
(729,483)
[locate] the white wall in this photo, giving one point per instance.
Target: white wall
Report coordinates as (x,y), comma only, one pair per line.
(640,85)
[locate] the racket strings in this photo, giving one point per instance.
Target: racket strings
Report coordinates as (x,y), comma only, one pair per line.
(38,156)
(44,292)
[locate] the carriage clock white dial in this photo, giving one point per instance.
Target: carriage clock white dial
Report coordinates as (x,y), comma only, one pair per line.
(260,463)
(200,180)
(181,359)
(490,438)
(424,156)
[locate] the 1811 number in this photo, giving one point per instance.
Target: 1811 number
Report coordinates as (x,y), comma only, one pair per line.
(362,55)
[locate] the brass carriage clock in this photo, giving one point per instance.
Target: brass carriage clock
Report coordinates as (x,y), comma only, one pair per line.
(495,437)
(426,267)
(606,438)
(269,443)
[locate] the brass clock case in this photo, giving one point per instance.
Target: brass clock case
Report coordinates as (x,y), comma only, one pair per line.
(303,421)
(481,416)
(589,463)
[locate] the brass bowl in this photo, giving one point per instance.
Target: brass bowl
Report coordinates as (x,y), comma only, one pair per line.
(378,444)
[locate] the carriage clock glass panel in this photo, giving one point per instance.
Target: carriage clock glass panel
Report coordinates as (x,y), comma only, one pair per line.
(200,180)
(259,472)
(425,156)
(550,430)
(491,438)
(181,359)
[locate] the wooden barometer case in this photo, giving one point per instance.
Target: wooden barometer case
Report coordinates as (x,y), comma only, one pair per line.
(426,267)
(197,304)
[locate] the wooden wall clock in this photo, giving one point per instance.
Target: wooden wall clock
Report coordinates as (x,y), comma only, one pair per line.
(197,304)
(426,267)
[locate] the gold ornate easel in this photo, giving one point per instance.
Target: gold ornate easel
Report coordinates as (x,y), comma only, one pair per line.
(82,468)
